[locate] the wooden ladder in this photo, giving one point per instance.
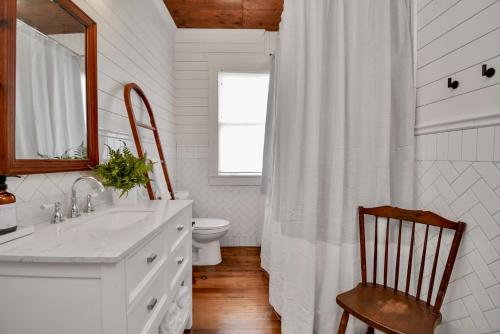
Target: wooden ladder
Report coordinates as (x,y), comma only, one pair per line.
(134,123)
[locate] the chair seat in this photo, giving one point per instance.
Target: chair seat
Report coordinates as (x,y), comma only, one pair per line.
(388,310)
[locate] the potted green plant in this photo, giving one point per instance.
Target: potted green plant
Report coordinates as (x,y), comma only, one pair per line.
(124,172)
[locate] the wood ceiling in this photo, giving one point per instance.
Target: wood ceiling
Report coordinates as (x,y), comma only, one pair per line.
(48,17)
(226,14)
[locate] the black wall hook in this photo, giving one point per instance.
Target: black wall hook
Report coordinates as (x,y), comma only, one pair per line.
(453,84)
(488,72)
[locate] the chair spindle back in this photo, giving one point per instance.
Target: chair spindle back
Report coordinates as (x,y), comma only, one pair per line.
(414,217)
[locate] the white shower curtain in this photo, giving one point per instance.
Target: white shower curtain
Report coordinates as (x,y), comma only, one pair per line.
(342,136)
(50,108)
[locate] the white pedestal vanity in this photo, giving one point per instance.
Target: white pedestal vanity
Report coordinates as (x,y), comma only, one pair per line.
(115,271)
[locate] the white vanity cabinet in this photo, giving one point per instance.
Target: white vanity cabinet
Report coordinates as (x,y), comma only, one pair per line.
(73,295)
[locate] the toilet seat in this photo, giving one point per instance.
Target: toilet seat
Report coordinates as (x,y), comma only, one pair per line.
(203,224)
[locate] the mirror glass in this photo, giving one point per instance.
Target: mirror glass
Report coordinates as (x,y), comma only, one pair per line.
(51,113)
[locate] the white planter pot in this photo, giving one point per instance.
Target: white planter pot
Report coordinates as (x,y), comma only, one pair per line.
(129,199)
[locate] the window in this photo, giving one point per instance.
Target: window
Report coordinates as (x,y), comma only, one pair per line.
(242,122)
(238,89)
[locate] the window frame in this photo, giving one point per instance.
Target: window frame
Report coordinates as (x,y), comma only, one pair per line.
(228,63)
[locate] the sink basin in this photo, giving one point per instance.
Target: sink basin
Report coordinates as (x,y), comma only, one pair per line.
(113,220)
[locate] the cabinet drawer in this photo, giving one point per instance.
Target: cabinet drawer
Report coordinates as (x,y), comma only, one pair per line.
(144,260)
(177,228)
(180,259)
(148,307)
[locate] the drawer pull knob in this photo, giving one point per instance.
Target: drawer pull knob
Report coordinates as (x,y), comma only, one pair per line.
(180,259)
(151,258)
(180,227)
(152,304)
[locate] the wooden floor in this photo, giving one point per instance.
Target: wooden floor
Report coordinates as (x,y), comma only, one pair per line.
(232,297)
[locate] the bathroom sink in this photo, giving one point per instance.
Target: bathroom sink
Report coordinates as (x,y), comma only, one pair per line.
(113,220)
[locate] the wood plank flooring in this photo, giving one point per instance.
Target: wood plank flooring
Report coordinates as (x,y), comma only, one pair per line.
(232,297)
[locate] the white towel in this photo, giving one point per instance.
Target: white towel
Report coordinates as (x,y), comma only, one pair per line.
(182,297)
(169,322)
(160,184)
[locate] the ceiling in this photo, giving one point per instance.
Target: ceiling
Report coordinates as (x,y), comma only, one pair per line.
(48,17)
(226,14)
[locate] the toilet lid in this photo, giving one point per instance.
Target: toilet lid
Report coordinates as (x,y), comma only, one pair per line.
(209,223)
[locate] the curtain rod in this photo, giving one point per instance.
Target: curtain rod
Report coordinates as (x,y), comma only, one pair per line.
(48,37)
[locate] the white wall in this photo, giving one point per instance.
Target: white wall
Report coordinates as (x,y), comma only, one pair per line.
(135,44)
(458,149)
(242,205)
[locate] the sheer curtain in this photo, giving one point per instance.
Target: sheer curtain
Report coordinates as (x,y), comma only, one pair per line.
(50,112)
(342,136)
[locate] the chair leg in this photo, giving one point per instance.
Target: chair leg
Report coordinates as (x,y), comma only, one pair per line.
(343,323)
(370,330)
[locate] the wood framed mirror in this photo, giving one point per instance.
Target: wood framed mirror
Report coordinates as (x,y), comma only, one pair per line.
(48,87)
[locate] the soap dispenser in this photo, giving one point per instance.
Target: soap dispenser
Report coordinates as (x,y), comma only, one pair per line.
(8,218)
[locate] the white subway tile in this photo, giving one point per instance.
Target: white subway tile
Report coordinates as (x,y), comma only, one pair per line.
(462,268)
(26,190)
(454,327)
(484,219)
(429,195)
(455,145)
(429,177)
(464,203)
(442,146)
(454,310)
(494,293)
(481,269)
(445,190)
(487,196)
(489,172)
(496,243)
(420,142)
(430,151)
(465,181)
(447,169)
(485,139)
(469,145)
(496,154)
(495,269)
(475,313)
(457,289)
(483,245)
(493,317)
(461,166)
(479,292)
(468,326)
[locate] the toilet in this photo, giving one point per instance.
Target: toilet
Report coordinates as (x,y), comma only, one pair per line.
(206,245)
(207,233)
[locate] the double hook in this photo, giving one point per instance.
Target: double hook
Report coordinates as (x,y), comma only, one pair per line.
(486,72)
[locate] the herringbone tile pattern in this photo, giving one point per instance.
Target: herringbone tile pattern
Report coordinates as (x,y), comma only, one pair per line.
(243,206)
(456,180)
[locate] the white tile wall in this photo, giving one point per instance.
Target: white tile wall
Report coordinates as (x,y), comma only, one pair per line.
(459,178)
(243,206)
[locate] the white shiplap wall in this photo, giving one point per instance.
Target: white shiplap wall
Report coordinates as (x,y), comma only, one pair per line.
(454,39)
(192,48)
(135,44)
(458,149)
(242,205)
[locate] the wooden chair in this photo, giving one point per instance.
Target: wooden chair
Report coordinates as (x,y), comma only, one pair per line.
(389,309)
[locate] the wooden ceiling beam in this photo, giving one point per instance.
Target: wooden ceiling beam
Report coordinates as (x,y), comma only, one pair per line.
(226,14)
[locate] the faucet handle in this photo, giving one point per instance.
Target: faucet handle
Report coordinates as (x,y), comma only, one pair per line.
(57,216)
(90,206)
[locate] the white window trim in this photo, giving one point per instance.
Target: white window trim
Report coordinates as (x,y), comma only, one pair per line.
(228,63)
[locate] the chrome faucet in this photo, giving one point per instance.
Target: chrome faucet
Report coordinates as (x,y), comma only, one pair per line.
(75,210)
(57,216)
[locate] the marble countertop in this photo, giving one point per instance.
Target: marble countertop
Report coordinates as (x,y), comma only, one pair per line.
(76,241)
